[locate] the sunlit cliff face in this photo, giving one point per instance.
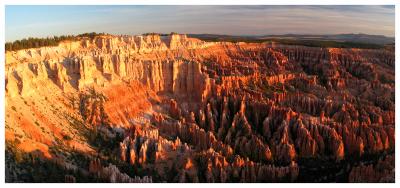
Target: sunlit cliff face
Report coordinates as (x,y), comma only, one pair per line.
(206,111)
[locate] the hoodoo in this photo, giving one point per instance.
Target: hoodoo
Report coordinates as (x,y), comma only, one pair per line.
(170,108)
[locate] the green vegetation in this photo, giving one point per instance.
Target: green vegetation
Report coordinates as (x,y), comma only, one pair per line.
(309,43)
(32,168)
(385,79)
(48,41)
(91,35)
(161,34)
(66,137)
(95,99)
(55,40)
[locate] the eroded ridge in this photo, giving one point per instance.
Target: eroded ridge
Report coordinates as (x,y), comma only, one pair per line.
(177,109)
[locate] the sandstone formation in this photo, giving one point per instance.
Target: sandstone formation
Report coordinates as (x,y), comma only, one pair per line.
(177,109)
(382,172)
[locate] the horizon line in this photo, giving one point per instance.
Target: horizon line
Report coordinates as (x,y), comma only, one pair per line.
(244,35)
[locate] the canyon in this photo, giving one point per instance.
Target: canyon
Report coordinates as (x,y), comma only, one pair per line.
(151,108)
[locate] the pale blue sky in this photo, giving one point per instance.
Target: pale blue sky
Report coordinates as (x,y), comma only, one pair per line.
(42,21)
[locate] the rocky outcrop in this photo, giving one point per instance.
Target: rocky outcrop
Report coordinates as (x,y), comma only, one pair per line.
(144,145)
(112,174)
(382,172)
(105,60)
(208,111)
(220,170)
(70,179)
(95,166)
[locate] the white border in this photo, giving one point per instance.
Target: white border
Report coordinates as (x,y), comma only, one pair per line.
(188,2)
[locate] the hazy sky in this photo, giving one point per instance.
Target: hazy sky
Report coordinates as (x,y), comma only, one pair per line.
(42,21)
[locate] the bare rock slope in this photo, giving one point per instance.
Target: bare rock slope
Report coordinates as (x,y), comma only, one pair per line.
(177,109)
